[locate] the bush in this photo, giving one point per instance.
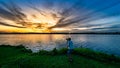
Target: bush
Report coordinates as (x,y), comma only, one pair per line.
(19,46)
(54,52)
(26,50)
(62,51)
(43,52)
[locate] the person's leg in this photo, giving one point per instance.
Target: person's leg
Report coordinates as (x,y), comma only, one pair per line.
(68,52)
(70,56)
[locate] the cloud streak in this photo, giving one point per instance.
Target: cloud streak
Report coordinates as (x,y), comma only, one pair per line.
(5,24)
(86,16)
(75,13)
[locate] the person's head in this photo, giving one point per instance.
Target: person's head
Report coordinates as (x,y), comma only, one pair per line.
(68,39)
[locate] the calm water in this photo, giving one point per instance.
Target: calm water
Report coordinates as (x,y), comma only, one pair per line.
(35,42)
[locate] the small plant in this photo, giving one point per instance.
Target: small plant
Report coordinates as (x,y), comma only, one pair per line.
(62,51)
(54,52)
(19,46)
(43,52)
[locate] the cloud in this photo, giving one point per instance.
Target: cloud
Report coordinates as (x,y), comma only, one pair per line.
(12,12)
(5,14)
(105,23)
(68,13)
(80,18)
(5,24)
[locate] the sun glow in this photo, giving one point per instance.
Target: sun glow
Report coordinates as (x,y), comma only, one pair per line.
(38,22)
(35,19)
(60,29)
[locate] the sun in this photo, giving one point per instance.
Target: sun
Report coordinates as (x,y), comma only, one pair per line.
(43,22)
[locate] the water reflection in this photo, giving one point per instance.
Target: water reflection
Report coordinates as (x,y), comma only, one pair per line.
(35,42)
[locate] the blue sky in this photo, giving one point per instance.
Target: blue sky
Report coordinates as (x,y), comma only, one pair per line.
(78,15)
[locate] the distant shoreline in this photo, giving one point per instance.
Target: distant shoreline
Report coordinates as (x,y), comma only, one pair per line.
(65,33)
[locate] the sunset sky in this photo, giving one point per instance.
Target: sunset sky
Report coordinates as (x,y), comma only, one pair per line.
(43,16)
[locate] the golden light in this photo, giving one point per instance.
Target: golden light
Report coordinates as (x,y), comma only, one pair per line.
(42,22)
(60,29)
(35,22)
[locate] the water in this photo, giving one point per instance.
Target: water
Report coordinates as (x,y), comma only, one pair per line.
(106,43)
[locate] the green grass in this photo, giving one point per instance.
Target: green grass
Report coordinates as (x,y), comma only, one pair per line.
(19,57)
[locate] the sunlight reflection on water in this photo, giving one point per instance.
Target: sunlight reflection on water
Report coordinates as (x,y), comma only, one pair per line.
(35,42)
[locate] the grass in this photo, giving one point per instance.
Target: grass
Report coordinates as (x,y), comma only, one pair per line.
(19,57)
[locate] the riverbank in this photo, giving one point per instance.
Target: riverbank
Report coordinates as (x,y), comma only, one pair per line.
(19,57)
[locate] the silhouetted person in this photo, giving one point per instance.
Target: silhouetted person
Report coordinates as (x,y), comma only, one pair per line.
(70,48)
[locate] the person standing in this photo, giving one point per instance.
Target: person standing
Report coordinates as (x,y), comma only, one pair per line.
(70,49)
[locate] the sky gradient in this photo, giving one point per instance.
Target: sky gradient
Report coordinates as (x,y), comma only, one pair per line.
(59,16)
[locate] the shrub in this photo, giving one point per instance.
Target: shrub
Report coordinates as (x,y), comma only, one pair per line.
(54,52)
(62,51)
(43,52)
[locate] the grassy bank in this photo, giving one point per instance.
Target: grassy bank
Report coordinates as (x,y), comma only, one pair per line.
(19,57)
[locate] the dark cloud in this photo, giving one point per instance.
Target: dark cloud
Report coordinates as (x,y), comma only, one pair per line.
(84,17)
(12,12)
(5,24)
(71,12)
(7,15)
